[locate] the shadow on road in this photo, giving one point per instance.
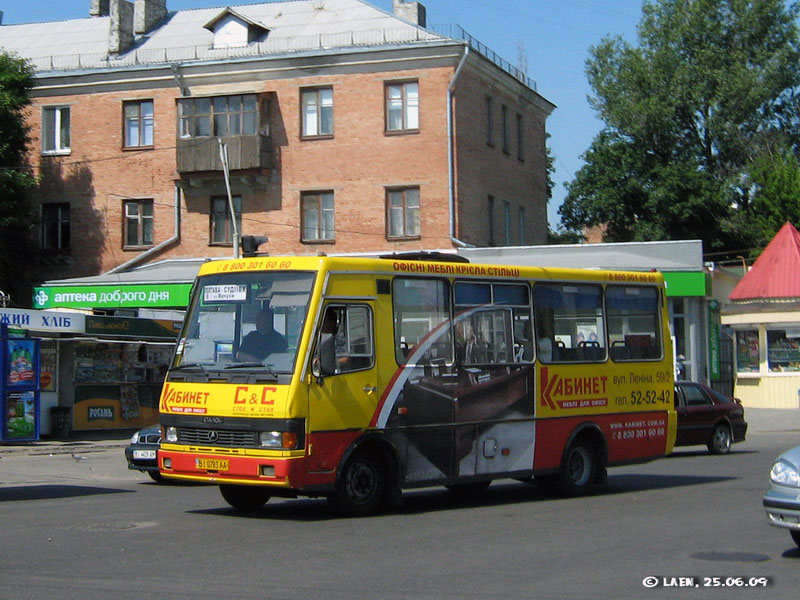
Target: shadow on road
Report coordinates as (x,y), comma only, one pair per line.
(49,492)
(439,499)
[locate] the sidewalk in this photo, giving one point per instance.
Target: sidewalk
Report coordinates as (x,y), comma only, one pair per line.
(759,420)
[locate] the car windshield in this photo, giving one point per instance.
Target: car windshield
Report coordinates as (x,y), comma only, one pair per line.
(245,321)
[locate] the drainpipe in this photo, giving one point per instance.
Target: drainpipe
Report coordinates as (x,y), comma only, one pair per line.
(450,150)
(176,236)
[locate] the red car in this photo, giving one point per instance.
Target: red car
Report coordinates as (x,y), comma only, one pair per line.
(707,417)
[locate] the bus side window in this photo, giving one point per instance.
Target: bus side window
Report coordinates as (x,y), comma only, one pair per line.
(422,325)
(345,341)
(634,322)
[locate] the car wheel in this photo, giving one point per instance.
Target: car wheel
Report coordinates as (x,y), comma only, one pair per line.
(244,497)
(721,440)
(795,536)
(156,476)
(362,486)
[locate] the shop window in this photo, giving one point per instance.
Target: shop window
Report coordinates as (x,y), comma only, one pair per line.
(783,350)
(747,351)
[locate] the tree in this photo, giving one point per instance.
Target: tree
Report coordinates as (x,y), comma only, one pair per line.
(686,115)
(17,217)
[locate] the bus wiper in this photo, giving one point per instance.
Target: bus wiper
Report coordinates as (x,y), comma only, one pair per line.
(251,365)
(190,366)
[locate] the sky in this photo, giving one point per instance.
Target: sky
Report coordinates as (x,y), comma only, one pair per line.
(555,34)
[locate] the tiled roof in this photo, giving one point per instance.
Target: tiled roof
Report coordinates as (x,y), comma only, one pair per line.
(776,273)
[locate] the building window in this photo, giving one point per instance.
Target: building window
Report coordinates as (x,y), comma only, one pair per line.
(55,130)
(507,222)
(520,138)
(521,214)
(504,117)
(138,223)
(220,116)
(317,117)
(317,216)
(402,106)
(138,117)
(402,213)
(55,234)
(221,229)
(489,121)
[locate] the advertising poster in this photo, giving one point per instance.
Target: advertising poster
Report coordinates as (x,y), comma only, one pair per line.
(20,416)
(21,365)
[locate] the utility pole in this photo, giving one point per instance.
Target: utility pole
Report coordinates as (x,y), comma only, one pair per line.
(223,155)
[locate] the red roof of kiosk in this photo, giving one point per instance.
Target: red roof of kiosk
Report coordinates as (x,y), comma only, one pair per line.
(776,273)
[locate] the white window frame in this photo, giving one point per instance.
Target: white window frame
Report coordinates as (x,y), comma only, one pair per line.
(57,141)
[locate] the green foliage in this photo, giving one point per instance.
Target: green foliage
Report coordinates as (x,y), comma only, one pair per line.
(685,113)
(777,196)
(17,217)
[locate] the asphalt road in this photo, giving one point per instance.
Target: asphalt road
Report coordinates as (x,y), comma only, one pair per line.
(83,526)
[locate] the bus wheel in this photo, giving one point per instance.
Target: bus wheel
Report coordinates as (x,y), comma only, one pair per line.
(578,469)
(244,497)
(721,440)
(362,486)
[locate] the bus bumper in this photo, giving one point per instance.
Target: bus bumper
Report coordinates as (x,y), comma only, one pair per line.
(287,473)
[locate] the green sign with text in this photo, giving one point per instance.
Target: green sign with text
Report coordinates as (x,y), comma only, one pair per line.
(173,295)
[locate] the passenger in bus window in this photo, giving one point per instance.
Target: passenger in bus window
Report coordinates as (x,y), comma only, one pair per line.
(465,343)
(264,340)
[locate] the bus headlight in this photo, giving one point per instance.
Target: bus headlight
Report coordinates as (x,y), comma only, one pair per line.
(278,440)
(171,434)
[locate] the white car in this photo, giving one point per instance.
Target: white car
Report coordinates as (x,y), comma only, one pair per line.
(782,500)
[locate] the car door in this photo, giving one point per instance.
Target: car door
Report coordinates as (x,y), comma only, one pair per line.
(696,417)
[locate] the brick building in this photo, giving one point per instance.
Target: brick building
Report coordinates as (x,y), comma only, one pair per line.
(347,129)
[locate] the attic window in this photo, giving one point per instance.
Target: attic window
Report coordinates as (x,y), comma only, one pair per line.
(233,30)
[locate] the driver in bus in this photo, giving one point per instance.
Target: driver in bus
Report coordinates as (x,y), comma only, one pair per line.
(263,341)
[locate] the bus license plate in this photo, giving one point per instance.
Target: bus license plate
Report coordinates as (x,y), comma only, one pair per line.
(144,454)
(211,464)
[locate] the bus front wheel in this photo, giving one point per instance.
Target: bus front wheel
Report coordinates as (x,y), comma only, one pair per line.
(362,486)
(244,497)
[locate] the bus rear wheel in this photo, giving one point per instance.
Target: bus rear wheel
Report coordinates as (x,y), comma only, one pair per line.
(578,471)
(244,497)
(362,486)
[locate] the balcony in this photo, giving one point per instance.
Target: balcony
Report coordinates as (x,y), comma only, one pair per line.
(244,152)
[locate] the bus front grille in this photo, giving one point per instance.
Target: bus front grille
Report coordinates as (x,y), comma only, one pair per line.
(214,437)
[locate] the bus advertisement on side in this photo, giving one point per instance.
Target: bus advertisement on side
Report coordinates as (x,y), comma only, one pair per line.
(355,378)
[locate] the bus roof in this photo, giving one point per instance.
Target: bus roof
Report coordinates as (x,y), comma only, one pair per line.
(401,265)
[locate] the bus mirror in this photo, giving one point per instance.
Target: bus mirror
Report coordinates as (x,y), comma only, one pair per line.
(327,355)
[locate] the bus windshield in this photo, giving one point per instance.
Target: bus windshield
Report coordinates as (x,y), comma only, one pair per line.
(245,320)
